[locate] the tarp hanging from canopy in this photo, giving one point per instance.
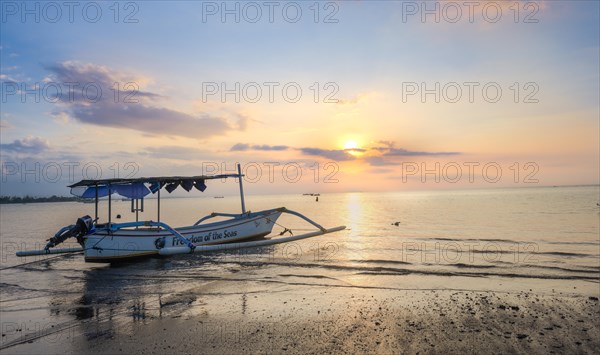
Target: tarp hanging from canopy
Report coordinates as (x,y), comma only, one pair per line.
(187,185)
(89,192)
(136,190)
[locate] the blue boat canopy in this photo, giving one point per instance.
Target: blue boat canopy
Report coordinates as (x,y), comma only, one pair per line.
(136,190)
(139,187)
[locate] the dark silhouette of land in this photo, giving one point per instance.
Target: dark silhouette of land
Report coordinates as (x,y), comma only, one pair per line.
(31,199)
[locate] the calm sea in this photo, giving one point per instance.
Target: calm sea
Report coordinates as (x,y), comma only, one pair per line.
(545,238)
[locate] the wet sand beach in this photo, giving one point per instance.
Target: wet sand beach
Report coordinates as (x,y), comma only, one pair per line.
(385,323)
(229,317)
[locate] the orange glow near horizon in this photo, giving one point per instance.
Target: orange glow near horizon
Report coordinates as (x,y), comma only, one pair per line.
(353,147)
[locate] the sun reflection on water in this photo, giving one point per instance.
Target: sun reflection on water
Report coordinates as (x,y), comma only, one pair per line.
(354,212)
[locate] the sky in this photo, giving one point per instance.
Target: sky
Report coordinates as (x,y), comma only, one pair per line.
(330,96)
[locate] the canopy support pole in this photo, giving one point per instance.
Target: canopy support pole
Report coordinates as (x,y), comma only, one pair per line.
(158,209)
(239,169)
(109,204)
(96,203)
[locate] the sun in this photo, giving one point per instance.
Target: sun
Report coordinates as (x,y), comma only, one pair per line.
(352,148)
(350,145)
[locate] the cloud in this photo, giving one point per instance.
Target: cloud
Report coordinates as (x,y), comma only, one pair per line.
(270,147)
(4,124)
(355,150)
(388,149)
(409,153)
(241,147)
(173,152)
(155,120)
(61,117)
(386,145)
(132,108)
(81,79)
(242,123)
(333,154)
(380,161)
(7,78)
(29,145)
(384,156)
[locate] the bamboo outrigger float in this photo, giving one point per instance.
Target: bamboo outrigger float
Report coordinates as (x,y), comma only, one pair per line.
(112,242)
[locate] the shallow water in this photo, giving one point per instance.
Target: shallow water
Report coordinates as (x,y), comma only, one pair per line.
(496,239)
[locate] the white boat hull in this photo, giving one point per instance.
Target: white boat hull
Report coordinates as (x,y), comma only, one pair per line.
(124,244)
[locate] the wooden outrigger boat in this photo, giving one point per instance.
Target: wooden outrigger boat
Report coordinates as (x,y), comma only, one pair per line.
(112,242)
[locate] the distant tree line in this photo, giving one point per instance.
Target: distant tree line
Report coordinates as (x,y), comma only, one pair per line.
(31,199)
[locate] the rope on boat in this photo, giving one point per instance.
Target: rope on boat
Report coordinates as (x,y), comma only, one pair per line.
(286,229)
(37,261)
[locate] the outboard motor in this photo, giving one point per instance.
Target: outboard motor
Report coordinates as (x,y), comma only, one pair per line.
(82,227)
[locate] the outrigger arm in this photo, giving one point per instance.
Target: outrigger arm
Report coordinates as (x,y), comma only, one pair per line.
(49,251)
(243,245)
(280,209)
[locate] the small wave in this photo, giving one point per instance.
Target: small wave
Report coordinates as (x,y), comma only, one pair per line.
(562,253)
(309,276)
(379,261)
(570,243)
(507,241)
(473,266)
(4,284)
(486,274)
(561,269)
(517,265)
(401,271)
(550,253)
(471,240)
